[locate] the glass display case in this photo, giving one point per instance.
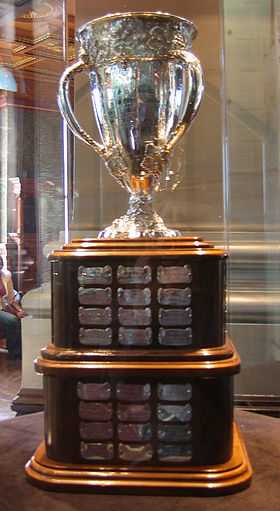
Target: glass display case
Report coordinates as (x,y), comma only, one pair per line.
(54,189)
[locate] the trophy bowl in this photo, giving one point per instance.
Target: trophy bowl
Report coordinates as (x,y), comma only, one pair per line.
(146,87)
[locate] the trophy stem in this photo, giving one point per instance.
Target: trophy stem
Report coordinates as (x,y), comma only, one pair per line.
(140,221)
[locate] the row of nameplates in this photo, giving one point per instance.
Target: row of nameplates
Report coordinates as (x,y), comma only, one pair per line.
(103,275)
(126,430)
(134,315)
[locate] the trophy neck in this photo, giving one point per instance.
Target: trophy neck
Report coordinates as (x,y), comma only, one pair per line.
(140,221)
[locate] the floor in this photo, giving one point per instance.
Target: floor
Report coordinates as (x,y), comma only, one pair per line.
(10,380)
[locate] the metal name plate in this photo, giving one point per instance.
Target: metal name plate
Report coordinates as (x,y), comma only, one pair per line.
(92,316)
(134,274)
(94,275)
(135,336)
(134,296)
(174,296)
(95,296)
(138,317)
(95,336)
(175,317)
(174,392)
(175,336)
(174,274)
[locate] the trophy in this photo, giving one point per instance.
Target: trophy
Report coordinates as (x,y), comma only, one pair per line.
(146,88)
(138,377)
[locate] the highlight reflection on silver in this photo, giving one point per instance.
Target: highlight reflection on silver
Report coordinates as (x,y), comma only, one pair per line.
(146,88)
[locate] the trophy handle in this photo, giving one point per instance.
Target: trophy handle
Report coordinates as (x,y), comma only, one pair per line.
(66,110)
(196,88)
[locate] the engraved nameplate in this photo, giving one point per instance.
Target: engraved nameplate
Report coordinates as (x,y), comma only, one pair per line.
(134,296)
(91,411)
(175,336)
(97,451)
(96,430)
(93,316)
(174,413)
(134,432)
(174,453)
(137,317)
(95,336)
(94,275)
(95,296)
(134,413)
(135,336)
(174,274)
(134,274)
(174,317)
(174,433)
(134,453)
(174,392)
(94,391)
(133,392)
(173,296)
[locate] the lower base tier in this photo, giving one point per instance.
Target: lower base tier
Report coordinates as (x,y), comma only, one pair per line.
(229,477)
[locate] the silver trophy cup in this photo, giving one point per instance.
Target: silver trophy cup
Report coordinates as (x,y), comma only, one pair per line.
(146,88)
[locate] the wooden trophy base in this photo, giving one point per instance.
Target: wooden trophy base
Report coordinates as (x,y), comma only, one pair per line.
(229,477)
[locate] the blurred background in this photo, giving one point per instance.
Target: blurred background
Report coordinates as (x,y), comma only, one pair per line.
(53,188)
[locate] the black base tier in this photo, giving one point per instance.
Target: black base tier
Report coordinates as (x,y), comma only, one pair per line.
(138,379)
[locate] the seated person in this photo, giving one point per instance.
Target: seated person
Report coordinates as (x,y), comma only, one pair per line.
(10,321)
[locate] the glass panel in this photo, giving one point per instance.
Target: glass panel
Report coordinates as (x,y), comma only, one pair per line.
(252,71)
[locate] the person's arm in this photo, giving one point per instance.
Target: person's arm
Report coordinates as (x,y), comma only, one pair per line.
(10,293)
